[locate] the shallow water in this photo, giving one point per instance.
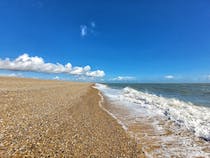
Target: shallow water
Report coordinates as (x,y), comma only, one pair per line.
(167,127)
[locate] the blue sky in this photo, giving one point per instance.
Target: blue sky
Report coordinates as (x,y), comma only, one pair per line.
(136,40)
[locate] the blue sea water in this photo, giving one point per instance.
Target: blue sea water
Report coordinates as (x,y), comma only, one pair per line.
(197,93)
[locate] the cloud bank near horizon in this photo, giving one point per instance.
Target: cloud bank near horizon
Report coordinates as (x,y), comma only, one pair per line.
(11,75)
(37,64)
(169,76)
(124,78)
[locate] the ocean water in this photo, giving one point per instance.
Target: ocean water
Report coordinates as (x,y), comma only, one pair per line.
(175,117)
(199,94)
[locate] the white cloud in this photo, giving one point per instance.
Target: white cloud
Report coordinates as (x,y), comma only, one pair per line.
(208,77)
(95,73)
(169,76)
(87,29)
(37,64)
(88,79)
(83,30)
(11,74)
(56,78)
(124,78)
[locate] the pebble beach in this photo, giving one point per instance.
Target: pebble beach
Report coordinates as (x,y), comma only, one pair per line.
(43,118)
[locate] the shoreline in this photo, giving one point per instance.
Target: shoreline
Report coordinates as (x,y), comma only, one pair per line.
(156,135)
(101,102)
(41,118)
(105,103)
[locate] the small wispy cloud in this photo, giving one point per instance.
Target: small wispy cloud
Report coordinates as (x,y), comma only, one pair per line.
(56,78)
(37,64)
(87,29)
(11,74)
(169,76)
(123,78)
(93,24)
(88,79)
(83,30)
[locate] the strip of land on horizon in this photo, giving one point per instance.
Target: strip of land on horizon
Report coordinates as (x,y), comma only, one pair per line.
(43,118)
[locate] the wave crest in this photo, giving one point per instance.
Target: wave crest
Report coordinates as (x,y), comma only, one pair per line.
(195,118)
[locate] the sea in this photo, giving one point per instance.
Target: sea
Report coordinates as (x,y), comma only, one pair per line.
(167,120)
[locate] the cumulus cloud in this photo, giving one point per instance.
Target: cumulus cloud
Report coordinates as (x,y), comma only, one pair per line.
(95,73)
(169,76)
(124,78)
(37,64)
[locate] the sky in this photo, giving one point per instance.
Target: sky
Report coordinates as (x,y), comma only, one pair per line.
(106,41)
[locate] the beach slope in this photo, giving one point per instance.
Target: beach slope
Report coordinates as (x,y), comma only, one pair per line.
(41,118)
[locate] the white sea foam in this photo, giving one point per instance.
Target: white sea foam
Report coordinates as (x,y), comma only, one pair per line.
(194,118)
(100,104)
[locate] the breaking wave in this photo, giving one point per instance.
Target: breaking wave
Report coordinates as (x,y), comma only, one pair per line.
(194,118)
